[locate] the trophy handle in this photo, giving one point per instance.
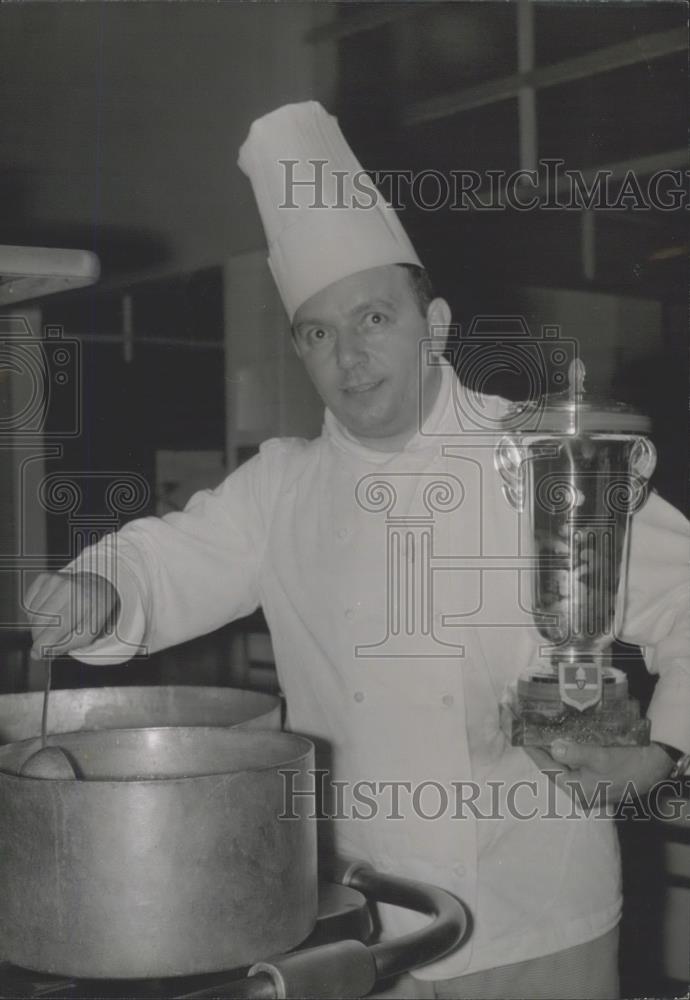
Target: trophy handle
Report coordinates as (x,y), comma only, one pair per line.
(508,458)
(643,459)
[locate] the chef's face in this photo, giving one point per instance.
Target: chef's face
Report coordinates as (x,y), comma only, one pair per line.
(359,341)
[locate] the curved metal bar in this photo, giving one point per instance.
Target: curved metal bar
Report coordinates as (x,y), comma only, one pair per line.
(259,987)
(301,974)
(441,935)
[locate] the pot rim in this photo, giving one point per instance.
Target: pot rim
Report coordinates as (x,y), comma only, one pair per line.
(239,734)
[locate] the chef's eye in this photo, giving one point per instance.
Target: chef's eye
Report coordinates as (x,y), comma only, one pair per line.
(375,319)
(317,336)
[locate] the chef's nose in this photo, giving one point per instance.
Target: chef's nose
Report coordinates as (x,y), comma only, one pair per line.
(349,348)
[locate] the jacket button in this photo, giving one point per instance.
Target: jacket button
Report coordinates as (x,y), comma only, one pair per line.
(350,614)
(359,695)
(448,700)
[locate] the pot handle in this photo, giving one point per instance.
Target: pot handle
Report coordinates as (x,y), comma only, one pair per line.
(351,969)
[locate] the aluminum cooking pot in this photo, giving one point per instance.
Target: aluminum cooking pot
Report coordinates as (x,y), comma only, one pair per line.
(168,858)
(133,707)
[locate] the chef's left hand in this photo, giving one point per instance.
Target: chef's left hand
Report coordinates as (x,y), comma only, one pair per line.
(617,767)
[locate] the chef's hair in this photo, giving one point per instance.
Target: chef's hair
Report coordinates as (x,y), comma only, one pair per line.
(421,286)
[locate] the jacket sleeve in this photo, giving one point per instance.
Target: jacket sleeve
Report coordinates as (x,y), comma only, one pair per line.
(657,614)
(189,572)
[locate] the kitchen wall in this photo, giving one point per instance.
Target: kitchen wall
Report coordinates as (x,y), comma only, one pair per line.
(23,450)
(608,330)
(119,131)
(120,124)
(267,391)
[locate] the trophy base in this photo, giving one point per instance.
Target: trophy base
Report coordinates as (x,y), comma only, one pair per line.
(534,715)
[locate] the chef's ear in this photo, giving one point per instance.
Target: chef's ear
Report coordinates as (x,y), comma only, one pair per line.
(438,323)
(295,343)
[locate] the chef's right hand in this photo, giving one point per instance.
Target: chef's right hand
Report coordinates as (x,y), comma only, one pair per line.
(83,607)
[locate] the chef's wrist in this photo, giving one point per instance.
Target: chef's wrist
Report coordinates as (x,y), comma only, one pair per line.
(678,760)
(672,752)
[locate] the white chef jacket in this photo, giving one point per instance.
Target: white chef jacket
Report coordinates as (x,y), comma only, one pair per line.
(304,531)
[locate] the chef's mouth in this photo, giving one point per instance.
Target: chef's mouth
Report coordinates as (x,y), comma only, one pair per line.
(362,387)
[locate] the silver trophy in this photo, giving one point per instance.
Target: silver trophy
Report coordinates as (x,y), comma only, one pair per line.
(576,479)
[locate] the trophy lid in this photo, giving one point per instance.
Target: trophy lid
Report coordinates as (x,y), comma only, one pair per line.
(575,411)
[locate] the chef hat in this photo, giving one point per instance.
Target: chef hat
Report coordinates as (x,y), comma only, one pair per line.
(323,218)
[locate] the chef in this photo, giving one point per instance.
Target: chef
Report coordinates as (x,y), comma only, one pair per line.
(381,556)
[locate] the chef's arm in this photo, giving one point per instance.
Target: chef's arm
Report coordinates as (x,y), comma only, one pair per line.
(669,709)
(657,616)
(182,575)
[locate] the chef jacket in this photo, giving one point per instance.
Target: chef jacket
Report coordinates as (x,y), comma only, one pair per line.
(396,591)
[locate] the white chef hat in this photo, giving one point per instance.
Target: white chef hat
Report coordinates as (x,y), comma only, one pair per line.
(323,218)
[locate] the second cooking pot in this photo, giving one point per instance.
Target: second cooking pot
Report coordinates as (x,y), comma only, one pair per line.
(131,707)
